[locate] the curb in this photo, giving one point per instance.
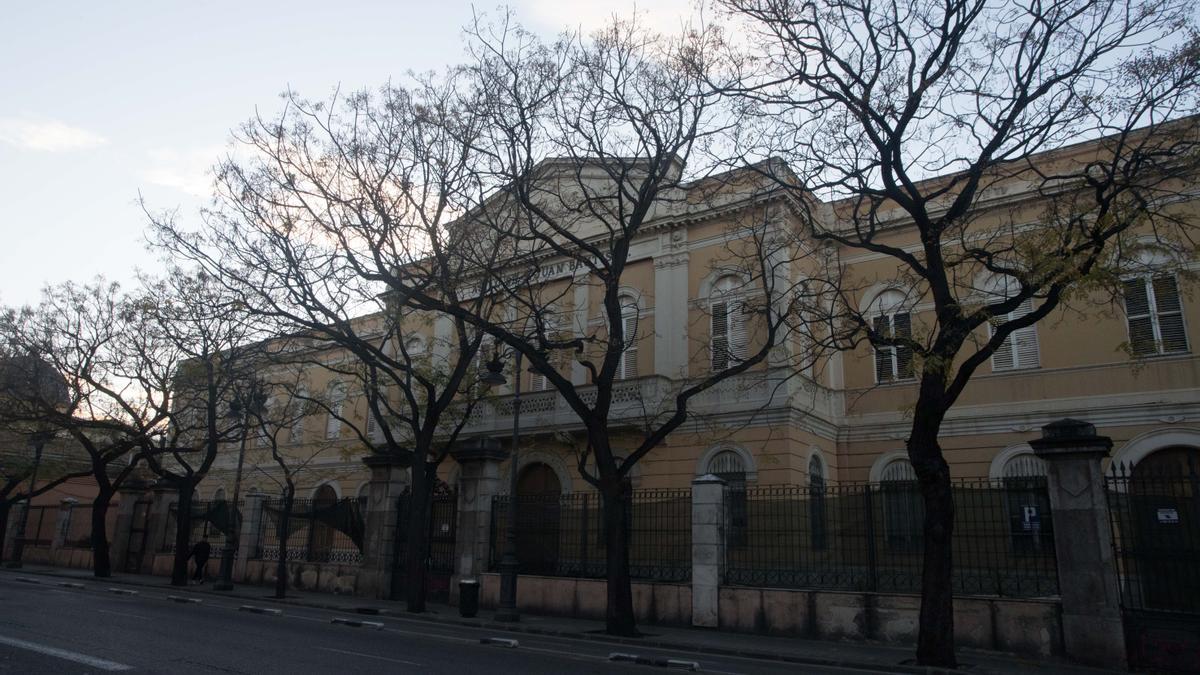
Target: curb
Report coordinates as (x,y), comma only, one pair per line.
(355,623)
(260,610)
(674,645)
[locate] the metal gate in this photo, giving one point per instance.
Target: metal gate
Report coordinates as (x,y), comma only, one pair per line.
(443,524)
(138,527)
(1156,542)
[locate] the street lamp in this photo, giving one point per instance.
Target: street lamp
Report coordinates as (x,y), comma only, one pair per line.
(249,404)
(508,562)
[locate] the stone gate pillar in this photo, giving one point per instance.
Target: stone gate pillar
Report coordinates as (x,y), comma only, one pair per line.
(708,549)
(248,534)
(15,514)
(478,481)
(1087,575)
(129,495)
(162,496)
(389,477)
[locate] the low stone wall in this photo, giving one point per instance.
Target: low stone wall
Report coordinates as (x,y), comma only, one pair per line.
(669,604)
(304,576)
(1026,627)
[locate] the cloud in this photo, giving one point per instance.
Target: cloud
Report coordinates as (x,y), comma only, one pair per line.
(47,135)
(665,16)
(183,170)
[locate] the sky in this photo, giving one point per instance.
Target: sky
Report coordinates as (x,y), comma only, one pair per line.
(101,102)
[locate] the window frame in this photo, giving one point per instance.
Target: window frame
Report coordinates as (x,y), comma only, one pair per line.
(1154,313)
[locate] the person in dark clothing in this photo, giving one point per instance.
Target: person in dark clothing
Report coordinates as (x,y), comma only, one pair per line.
(200,552)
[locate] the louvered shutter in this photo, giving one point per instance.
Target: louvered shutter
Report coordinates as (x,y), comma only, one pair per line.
(883,355)
(720,336)
(299,406)
(333,424)
(1170,314)
(629,365)
(537,382)
(1137,312)
(902,324)
(1020,348)
(737,333)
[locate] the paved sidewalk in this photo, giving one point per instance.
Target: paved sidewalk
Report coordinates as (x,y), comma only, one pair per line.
(786,650)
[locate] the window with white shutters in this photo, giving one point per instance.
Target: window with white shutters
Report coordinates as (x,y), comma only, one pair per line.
(298,408)
(337,401)
(893,362)
(1155,315)
(1020,348)
(728,326)
(628,366)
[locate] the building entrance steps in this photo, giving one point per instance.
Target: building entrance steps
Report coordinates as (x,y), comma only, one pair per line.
(786,650)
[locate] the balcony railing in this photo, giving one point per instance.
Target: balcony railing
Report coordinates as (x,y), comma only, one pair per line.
(635,402)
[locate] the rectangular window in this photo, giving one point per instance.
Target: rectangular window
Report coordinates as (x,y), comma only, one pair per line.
(728,335)
(1020,348)
(893,362)
(1155,315)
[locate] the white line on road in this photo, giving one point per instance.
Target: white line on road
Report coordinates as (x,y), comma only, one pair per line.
(109,611)
(369,656)
(64,654)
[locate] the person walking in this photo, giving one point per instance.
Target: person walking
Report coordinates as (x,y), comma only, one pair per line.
(201,551)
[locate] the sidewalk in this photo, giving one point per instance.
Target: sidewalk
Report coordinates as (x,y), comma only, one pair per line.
(785,650)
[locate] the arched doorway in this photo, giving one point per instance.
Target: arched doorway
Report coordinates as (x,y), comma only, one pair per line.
(539,514)
(1157,522)
(322,532)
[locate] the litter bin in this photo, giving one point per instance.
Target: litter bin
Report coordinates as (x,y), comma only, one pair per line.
(468,598)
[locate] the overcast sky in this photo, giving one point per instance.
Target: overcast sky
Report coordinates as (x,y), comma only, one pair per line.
(103,100)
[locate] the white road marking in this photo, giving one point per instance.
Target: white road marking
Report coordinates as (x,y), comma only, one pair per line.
(64,654)
(109,611)
(369,656)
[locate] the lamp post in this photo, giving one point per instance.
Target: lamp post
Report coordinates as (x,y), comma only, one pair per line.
(508,562)
(251,404)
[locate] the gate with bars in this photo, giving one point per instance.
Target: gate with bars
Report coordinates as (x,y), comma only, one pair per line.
(439,565)
(1156,544)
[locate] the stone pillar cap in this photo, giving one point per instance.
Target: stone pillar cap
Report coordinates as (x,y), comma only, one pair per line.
(1070,437)
(708,478)
(385,459)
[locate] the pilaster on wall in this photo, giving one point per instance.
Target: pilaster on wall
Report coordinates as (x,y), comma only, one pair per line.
(389,477)
(1093,632)
(708,549)
(478,482)
(671,314)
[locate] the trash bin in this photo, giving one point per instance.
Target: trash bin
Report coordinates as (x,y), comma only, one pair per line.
(468,598)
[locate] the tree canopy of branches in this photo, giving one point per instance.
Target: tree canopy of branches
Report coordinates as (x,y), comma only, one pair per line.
(924,118)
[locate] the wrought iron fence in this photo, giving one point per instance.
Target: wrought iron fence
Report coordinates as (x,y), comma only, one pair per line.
(211,521)
(563,535)
(865,537)
(79,526)
(39,526)
(318,531)
(1156,538)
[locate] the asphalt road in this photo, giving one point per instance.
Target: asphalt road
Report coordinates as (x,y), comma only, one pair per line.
(48,628)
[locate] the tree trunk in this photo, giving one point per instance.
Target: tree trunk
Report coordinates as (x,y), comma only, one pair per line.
(101,564)
(285,520)
(417,544)
(618,616)
(183,533)
(5,510)
(935,641)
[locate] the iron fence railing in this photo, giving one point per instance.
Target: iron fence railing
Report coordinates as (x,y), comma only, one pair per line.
(39,526)
(318,531)
(211,521)
(1156,538)
(864,537)
(563,535)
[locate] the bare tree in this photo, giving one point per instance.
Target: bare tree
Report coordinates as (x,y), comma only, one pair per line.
(111,401)
(925,122)
(310,230)
(207,328)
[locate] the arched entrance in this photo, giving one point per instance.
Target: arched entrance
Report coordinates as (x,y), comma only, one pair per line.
(322,532)
(1156,520)
(539,513)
